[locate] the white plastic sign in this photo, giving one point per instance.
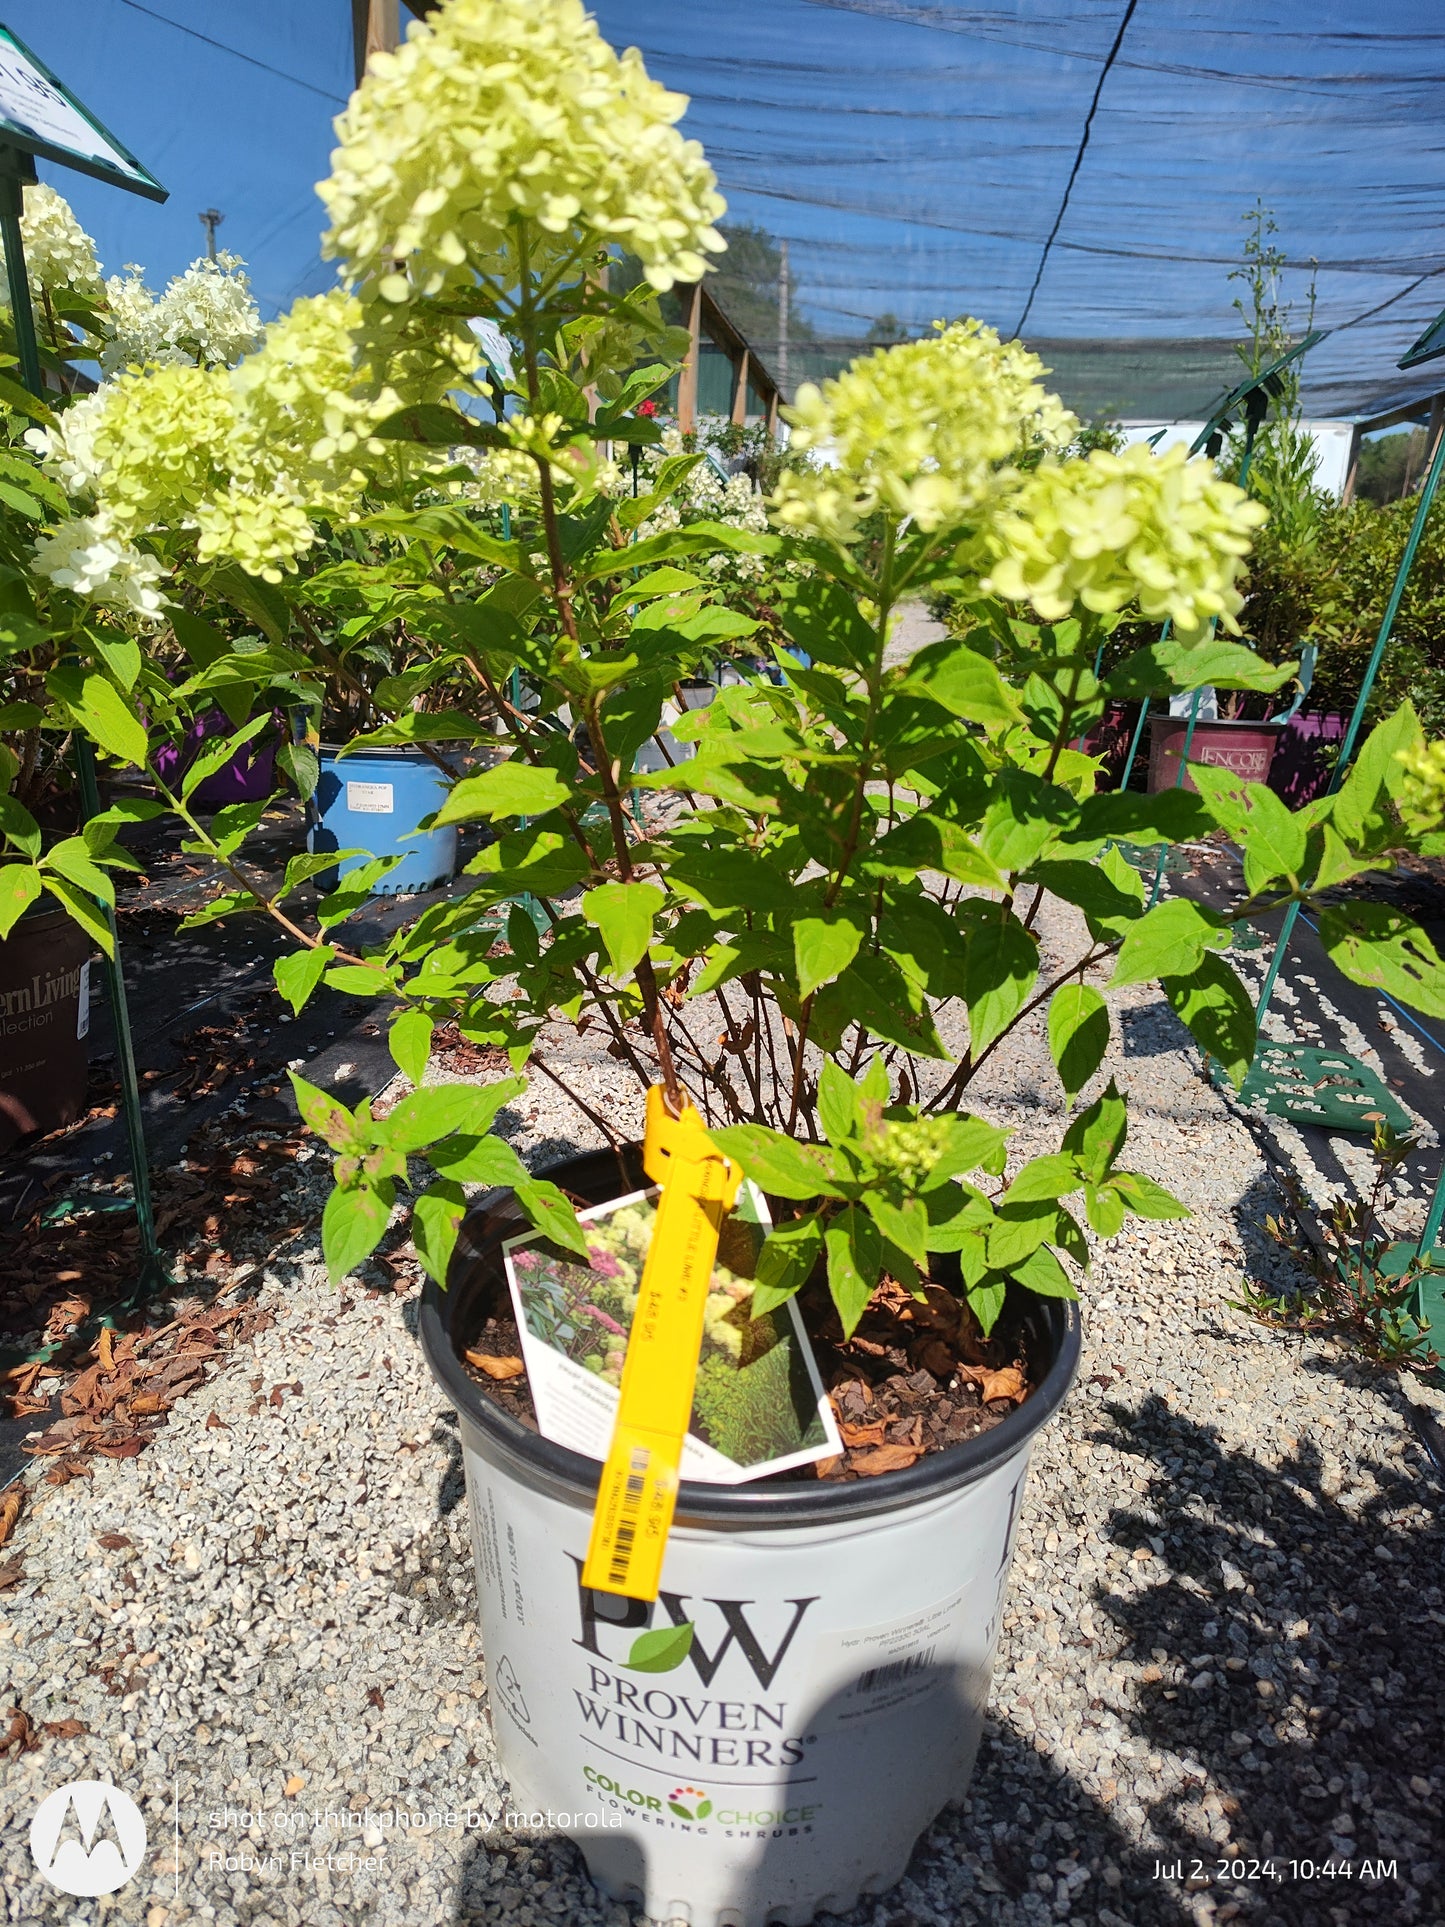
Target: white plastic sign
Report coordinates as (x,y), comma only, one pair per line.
(41,116)
(370,799)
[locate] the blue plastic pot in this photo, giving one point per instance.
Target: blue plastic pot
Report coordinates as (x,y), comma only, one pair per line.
(372,800)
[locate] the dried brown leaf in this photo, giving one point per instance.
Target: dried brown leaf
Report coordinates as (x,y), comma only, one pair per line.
(11,1574)
(113,1541)
(870,1434)
(64,1729)
(147,1404)
(885,1458)
(1009,1383)
(20,1732)
(500,1368)
(105,1349)
(11,1503)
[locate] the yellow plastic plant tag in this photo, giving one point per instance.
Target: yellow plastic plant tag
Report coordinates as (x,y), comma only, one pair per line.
(638,1488)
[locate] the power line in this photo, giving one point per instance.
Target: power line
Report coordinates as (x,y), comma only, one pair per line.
(234,52)
(1078,161)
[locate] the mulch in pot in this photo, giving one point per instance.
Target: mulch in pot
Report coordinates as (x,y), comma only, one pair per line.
(915,1378)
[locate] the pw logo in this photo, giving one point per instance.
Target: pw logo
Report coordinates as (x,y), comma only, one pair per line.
(88,1838)
(700,1812)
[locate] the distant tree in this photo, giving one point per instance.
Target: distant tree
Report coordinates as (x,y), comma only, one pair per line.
(1390,465)
(886,332)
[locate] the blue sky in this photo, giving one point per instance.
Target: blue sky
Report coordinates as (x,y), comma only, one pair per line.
(914,152)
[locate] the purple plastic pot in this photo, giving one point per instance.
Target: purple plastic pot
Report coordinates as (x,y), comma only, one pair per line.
(1303,760)
(249,776)
(1244,748)
(1109,740)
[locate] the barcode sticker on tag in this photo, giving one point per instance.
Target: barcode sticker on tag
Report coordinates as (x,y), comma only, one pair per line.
(370,799)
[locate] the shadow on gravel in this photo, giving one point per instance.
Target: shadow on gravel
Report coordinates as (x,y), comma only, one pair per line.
(1301,1635)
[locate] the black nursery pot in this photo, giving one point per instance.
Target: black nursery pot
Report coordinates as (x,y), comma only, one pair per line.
(784,1755)
(44,1024)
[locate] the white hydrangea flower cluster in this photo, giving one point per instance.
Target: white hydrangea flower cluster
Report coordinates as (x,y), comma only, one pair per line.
(1159,531)
(82,555)
(58,251)
(708,496)
(500,112)
(926,430)
(206,315)
(240,455)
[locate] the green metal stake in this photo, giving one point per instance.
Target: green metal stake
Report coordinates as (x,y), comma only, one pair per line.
(16,169)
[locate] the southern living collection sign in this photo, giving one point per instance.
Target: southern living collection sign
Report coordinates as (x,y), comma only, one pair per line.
(40,116)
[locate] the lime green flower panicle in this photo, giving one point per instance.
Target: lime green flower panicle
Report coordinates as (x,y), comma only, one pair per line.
(496,110)
(1160,531)
(924,430)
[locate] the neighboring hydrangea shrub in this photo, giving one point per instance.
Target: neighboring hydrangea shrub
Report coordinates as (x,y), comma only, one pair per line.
(1158,531)
(58,251)
(499,109)
(923,430)
(206,315)
(90,560)
(1422,798)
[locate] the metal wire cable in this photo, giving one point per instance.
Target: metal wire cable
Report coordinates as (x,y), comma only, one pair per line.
(1078,161)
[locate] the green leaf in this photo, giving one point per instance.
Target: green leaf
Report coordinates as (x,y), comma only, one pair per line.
(1000,963)
(661,1649)
(20,826)
(875,993)
(855,1258)
(298,974)
(1054,1175)
(1273,840)
(1170,940)
(1384,950)
(1078,1034)
(622,913)
(552,1214)
(120,654)
(82,910)
(1018,1229)
(1364,811)
(328,1118)
(971,1145)
(19,887)
(904,1225)
(1169,816)
(962,682)
(1145,1198)
(1175,664)
(824,619)
(410,1043)
(478,1160)
(1042,1273)
(353,1225)
(436,1218)
(221,753)
(439,1111)
(108,719)
(986,1301)
(786,1261)
(541,861)
(72,859)
(839,1111)
(513,788)
(301,763)
(1104,1208)
(776,1163)
(823,948)
(1097,1135)
(1215,1006)
(259,602)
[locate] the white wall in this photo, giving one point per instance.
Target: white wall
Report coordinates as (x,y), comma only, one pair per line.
(1331,440)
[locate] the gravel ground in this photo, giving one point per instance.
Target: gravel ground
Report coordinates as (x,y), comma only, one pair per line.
(1223,1643)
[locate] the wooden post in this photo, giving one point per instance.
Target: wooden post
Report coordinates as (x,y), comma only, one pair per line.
(773,413)
(1352,467)
(740,389)
(687,380)
(1432,433)
(375,28)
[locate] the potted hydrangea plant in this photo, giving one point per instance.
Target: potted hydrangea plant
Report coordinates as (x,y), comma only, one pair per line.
(823,931)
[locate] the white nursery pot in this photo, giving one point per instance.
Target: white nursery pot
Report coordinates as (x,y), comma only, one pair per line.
(832,1700)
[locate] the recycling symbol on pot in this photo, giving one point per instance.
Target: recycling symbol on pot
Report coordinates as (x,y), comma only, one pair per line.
(508,1689)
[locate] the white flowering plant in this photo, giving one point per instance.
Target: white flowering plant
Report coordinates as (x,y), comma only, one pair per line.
(822,925)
